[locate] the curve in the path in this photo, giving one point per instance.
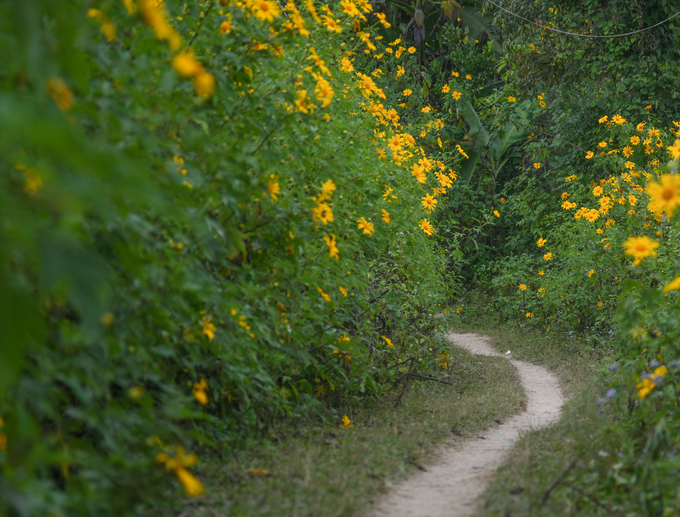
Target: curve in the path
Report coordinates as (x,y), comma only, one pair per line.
(451,486)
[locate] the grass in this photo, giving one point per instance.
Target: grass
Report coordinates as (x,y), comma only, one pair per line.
(558,470)
(324,470)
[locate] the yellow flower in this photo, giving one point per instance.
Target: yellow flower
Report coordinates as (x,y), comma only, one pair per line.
(502,200)
(130,6)
(627,151)
(649,383)
(407,92)
(346,422)
(456,94)
(324,92)
(388,341)
(542,104)
(592,215)
(512,99)
(323,295)
(429,203)
(664,196)
(204,84)
(673,286)
(602,144)
(186,65)
(529,314)
(411,50)
(327,190)
(618,119)
(541,242)
(273,189)
(645,387)
(426,226)
(496,213)
(395,143)
(460,150)
(62,95)
(589,155)
(225,26)
(349,8)
(541,273)
(323,213)
(343,291)
(548,256)
(332,246)
(136,392)
(199,392)
(208,328)
(106,26)
(597,191)
(635,140)
(265,10)
(418,173)
(426,109)
(522,287)
(334,26)
(446,88)
(455,74)
(640,248)
(674,150)
(537,165)
(192,485)
(468,77)
(660,371)
(346,65)
(386,216)
(154,16)
(591,273)
(603,119)
(33,179)
(366,226)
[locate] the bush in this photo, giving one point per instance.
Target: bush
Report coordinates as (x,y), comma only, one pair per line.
(212,224)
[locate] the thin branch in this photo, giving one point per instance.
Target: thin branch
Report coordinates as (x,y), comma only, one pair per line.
(559,480)
(428,378)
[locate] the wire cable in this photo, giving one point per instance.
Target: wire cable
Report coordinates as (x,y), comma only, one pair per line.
(583,35)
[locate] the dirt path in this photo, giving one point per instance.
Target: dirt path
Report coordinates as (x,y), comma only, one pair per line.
(451,486)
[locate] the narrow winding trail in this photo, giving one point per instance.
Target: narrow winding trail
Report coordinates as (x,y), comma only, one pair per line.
(451,486)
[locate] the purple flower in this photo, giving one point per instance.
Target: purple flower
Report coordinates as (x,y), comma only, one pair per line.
(611,393)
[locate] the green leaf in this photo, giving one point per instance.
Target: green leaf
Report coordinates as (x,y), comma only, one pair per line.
(505,138)
(19,322)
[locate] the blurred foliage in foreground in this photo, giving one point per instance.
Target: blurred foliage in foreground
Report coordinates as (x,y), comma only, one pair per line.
(211,222)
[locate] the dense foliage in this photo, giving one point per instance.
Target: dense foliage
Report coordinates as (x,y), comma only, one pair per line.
(221,216)
(587,237)
(213,221)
